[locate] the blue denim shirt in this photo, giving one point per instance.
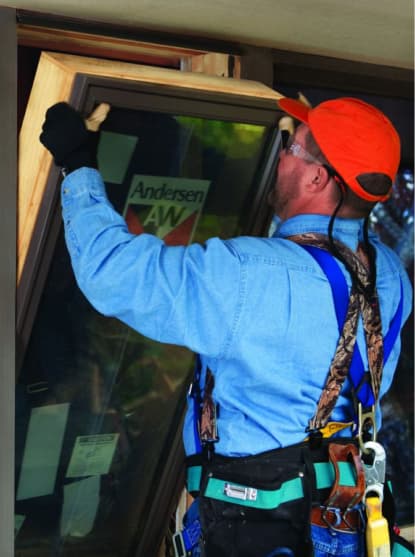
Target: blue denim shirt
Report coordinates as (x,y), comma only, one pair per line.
(258,310)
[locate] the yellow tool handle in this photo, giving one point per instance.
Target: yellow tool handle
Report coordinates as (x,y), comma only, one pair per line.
(377,532)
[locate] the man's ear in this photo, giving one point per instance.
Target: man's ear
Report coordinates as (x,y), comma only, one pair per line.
(319,177)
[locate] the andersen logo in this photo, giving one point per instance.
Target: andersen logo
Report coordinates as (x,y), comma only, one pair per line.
(166,207)
(177,191)
(151,193)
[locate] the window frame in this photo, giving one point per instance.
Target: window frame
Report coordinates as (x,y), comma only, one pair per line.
(87,91)
(224,98)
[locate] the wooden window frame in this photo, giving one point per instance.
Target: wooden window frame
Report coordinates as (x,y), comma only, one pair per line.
(60,71)
(64,74)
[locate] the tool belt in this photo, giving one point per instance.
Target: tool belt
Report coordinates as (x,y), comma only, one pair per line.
(249,506)
(256,504)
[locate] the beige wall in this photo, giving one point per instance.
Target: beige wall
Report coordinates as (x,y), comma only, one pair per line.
(374,31)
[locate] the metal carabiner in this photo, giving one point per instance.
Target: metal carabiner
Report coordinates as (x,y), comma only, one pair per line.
(337,517)
(375,473)
(366,419)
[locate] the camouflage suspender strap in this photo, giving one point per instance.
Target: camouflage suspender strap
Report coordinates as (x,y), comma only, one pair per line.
(207,427)
(359,304)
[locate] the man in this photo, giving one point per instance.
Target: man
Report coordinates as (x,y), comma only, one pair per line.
(260,312)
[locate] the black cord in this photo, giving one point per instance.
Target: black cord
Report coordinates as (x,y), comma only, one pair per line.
(371,254)
(333,247)
(331,223)
(367,291)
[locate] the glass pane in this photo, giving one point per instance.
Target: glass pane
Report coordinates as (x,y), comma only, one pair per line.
(213,161)
(96,402)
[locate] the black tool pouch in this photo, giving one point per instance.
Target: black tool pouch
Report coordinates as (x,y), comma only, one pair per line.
(230,529)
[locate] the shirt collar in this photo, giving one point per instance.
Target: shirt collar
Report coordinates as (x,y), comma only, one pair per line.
(348,231)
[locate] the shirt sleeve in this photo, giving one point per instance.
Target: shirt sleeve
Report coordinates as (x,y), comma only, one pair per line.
(181,295)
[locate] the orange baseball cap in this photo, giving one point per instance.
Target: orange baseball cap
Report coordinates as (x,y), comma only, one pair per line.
(354,136)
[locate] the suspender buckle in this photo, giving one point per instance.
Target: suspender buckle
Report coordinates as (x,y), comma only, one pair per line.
(185,540)
(178,545)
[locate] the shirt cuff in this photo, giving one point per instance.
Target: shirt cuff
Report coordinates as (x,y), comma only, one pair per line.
(83,181)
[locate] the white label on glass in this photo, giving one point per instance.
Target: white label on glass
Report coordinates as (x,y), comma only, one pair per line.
(80,506)
(42,451)
(92,455)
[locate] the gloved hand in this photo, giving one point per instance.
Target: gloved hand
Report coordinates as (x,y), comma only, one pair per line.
(66,136)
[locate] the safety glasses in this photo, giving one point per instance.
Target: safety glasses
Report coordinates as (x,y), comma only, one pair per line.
(293,148)
(297,150)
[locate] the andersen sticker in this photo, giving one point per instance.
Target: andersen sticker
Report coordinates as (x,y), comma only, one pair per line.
(167,207)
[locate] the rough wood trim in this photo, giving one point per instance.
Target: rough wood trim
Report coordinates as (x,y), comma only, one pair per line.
(142,34)
(54,81)
(113,48)
(213,63)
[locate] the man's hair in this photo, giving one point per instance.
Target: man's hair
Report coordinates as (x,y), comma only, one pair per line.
(374,183)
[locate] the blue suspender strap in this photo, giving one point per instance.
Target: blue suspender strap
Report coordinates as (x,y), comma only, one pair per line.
(340,294)
(337,281)
(196,397)
(394,328)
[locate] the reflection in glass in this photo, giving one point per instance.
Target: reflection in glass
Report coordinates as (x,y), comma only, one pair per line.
(104,398)
(394,222)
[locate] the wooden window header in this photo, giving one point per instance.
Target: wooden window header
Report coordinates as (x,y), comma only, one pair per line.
(113,48)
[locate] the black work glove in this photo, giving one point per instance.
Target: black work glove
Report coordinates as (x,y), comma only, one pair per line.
(67,138)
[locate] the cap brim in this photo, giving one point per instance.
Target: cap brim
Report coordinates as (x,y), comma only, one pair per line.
(294,108)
